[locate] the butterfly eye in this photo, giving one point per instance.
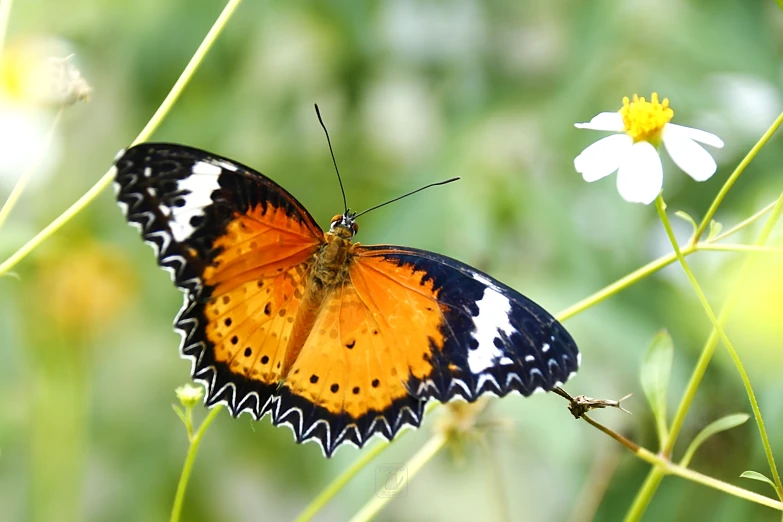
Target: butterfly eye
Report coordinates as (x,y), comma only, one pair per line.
(336,220)
(355,227)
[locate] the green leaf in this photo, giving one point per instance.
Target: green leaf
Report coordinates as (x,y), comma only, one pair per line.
(722,424)
(686,217)
(715,227)
(656,369)
(755,475)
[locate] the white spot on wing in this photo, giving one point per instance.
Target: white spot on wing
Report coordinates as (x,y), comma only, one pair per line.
(224,164)
(545,347)
(208,169)
(198,188)
(491,320)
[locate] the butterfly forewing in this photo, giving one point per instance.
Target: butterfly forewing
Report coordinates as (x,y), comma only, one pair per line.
(239,246)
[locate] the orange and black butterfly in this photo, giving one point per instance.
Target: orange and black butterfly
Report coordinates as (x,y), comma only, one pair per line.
(336,339)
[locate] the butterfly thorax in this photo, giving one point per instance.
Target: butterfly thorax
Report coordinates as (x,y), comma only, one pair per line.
(329,271)
(331,264)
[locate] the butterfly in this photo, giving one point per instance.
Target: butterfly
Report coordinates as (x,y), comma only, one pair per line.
(339,341)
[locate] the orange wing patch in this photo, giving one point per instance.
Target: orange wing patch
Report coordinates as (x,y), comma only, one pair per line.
(257,245)
(256,291)
(250,325)
(373,336)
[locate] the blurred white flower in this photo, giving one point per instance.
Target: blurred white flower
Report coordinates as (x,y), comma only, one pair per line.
(642,126)
(33,83)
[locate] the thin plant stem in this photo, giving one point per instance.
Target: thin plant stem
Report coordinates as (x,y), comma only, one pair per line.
(414,465)
(195,440)
(716,324)
(671,468)
(732,178)
(657,264)
(620,284)
(665,466)
(151,126)
(739,248)
(645,494)
(340,481)
(712,340)
(744,223)
(21,183)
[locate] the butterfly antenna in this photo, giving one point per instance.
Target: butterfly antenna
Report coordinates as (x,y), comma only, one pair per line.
(345,202)
(406,195)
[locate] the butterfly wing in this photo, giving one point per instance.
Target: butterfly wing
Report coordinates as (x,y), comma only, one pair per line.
(409,326)
(491,338)
(239,246)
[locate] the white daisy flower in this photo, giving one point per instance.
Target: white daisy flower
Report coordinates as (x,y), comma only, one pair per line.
(642,126)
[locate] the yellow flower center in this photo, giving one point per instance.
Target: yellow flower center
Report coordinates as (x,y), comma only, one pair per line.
(644,120)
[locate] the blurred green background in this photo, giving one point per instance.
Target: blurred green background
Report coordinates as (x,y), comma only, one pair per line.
(413,92)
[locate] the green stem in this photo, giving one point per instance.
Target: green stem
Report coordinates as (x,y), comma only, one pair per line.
(620,284)
(21,183)
(645,494)
(734,175)
(712,340)
(151,126)
(716,324)
(663,465)
(670,468)
(744,223)
(195,440)
(414,465)
(655,476)
(340,481)
(739,248)
(654,266)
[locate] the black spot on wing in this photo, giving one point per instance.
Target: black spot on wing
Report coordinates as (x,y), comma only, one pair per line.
(536,352)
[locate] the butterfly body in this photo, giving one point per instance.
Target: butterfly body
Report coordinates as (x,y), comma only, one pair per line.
(338,340)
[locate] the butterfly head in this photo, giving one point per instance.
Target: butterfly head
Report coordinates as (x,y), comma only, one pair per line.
(344,225)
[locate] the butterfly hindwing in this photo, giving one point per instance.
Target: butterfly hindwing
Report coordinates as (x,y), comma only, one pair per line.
(350,379)
(239,247)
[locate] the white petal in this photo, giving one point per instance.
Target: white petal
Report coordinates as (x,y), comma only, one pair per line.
(690,156)
(694,134)
(640,178)
(605,121)
(602,157)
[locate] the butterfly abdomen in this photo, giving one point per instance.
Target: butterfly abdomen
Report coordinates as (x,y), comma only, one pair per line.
(329,271)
